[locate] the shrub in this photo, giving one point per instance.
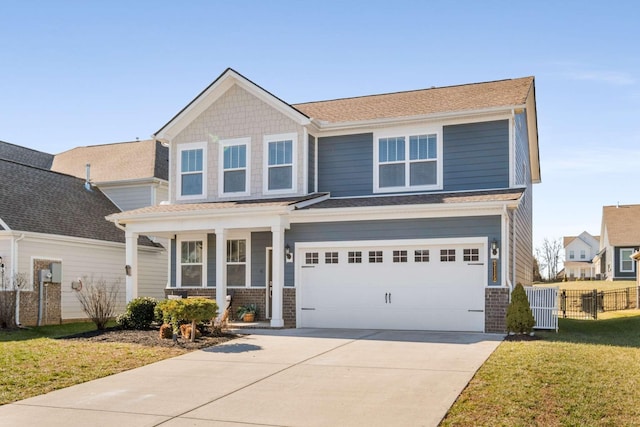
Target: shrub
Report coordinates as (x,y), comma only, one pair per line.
(519,316)
(166,331)
(185,331)
(139,315)
(98,300)
(191,310)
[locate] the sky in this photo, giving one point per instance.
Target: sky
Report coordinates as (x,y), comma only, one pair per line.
(93,72)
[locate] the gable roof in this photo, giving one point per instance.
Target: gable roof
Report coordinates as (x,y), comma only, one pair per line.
(622,224)
(24,155)
(468,97)
(116,162)
(566,240)
(40,201)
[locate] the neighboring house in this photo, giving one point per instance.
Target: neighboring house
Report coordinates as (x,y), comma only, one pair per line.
(579,252)
(52,221)
(131,174)
(408,210)
(619,239)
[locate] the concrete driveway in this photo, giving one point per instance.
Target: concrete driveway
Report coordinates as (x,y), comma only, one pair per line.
(295,377)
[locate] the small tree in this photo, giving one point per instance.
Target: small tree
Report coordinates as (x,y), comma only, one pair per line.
(191,310)
(98,300)
(519,316)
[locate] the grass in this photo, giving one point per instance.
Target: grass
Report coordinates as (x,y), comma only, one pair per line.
(33,362)
(585,375)
(589,285)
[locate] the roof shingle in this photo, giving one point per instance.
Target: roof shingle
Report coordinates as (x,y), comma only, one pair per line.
(25,155)
(622,224)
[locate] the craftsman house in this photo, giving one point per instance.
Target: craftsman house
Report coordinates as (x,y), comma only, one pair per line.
(408,210)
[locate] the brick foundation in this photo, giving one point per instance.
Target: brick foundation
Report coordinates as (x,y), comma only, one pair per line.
(496,301)
(289,307)
(51,297)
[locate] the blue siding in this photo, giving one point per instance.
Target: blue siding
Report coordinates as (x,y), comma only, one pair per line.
(476,156)
(429,228)
(522,220)
(312,165)
(345,165)
(211,260)
(616,264)
(172,273)
(260,241)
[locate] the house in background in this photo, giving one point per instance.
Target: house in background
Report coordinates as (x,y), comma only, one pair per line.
(408,210)
(619,239)
(131,174)
(55,222)
(579,252)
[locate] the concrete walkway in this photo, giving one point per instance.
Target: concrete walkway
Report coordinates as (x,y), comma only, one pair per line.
(295,377)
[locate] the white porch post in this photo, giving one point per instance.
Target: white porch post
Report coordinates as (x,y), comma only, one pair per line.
(131,260)
(277,235)
(221,269)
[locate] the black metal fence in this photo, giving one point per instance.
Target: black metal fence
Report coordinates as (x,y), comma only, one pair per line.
(576,304)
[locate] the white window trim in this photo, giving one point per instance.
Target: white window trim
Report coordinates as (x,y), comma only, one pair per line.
(247,183)
(407,133)
(294,159)
(632,269)
(241,235)
(180,149)
(191,238)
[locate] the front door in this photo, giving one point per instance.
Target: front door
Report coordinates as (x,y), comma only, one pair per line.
(269,281)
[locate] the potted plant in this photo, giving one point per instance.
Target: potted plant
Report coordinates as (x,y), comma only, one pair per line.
(247,312)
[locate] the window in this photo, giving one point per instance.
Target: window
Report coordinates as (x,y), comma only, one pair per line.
(375,257)
(311,258)
(192,176)
(331,257)
(234,173)
(626,263)
(421,255)
(407,162)
(572,255)
(191,263)
(583,254)
(236,262)
(280,167)
(354,257)
(447,255)
(471,254)
(399,256)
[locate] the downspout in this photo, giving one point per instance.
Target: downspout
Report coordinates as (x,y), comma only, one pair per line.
(14,269)
(505,248)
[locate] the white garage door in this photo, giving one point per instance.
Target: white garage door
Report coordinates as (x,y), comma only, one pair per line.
(421,285)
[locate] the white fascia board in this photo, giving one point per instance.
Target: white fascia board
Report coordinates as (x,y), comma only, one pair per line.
(214,92)
(208,214)
(454,117)
(401,212)
(130,182)
(4,225)
(532,129)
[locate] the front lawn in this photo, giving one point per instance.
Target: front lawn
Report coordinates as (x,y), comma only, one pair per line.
(587,374)
(33,362)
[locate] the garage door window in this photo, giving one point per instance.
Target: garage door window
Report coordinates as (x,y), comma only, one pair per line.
(331,257)
(421,255)
(354,257)
(375,257)
(471,254)
(447,255)
(311,258)
(399,256)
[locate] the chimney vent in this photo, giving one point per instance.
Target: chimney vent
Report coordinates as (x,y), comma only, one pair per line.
(87,183)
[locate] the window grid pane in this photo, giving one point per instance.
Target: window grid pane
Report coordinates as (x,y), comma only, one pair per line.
(421,255)
(447,255)
(375,257)
(311,258)
(354,257)
(331,257)
(399,256)
(470,254)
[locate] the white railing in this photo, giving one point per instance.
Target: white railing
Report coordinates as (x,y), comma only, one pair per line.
(544,305)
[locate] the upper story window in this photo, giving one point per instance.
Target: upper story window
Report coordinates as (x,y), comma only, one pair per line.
(192,177)
(407,161)
(572,255)
(234,174)
(583,254)
(280,167)
(626,263)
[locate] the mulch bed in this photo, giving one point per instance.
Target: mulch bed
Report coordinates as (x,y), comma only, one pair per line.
(151,338)
(522,337)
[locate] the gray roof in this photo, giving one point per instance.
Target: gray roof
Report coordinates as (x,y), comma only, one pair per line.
(421,199)
(25,155)
(41,201)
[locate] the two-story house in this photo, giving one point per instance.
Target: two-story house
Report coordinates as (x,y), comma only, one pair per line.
(579,252)
(408,210)
(619,240)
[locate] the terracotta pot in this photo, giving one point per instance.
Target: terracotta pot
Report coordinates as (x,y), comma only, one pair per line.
(248,317)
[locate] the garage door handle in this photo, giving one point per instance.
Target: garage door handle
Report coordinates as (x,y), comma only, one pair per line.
(386,298)
(389,297)
(308,266)
(475,311)
(476,263)
(307,308)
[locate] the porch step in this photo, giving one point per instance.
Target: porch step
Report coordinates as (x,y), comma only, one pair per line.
(250,325)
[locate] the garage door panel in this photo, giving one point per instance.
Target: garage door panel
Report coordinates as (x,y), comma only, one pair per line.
(417,291)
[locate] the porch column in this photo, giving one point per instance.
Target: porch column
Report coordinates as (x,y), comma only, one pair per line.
(131,269)
(221,269)
(277,236)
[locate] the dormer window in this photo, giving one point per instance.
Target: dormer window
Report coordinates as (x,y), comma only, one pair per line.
(407,161)
(192,182)
(280,170)
(233,175)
